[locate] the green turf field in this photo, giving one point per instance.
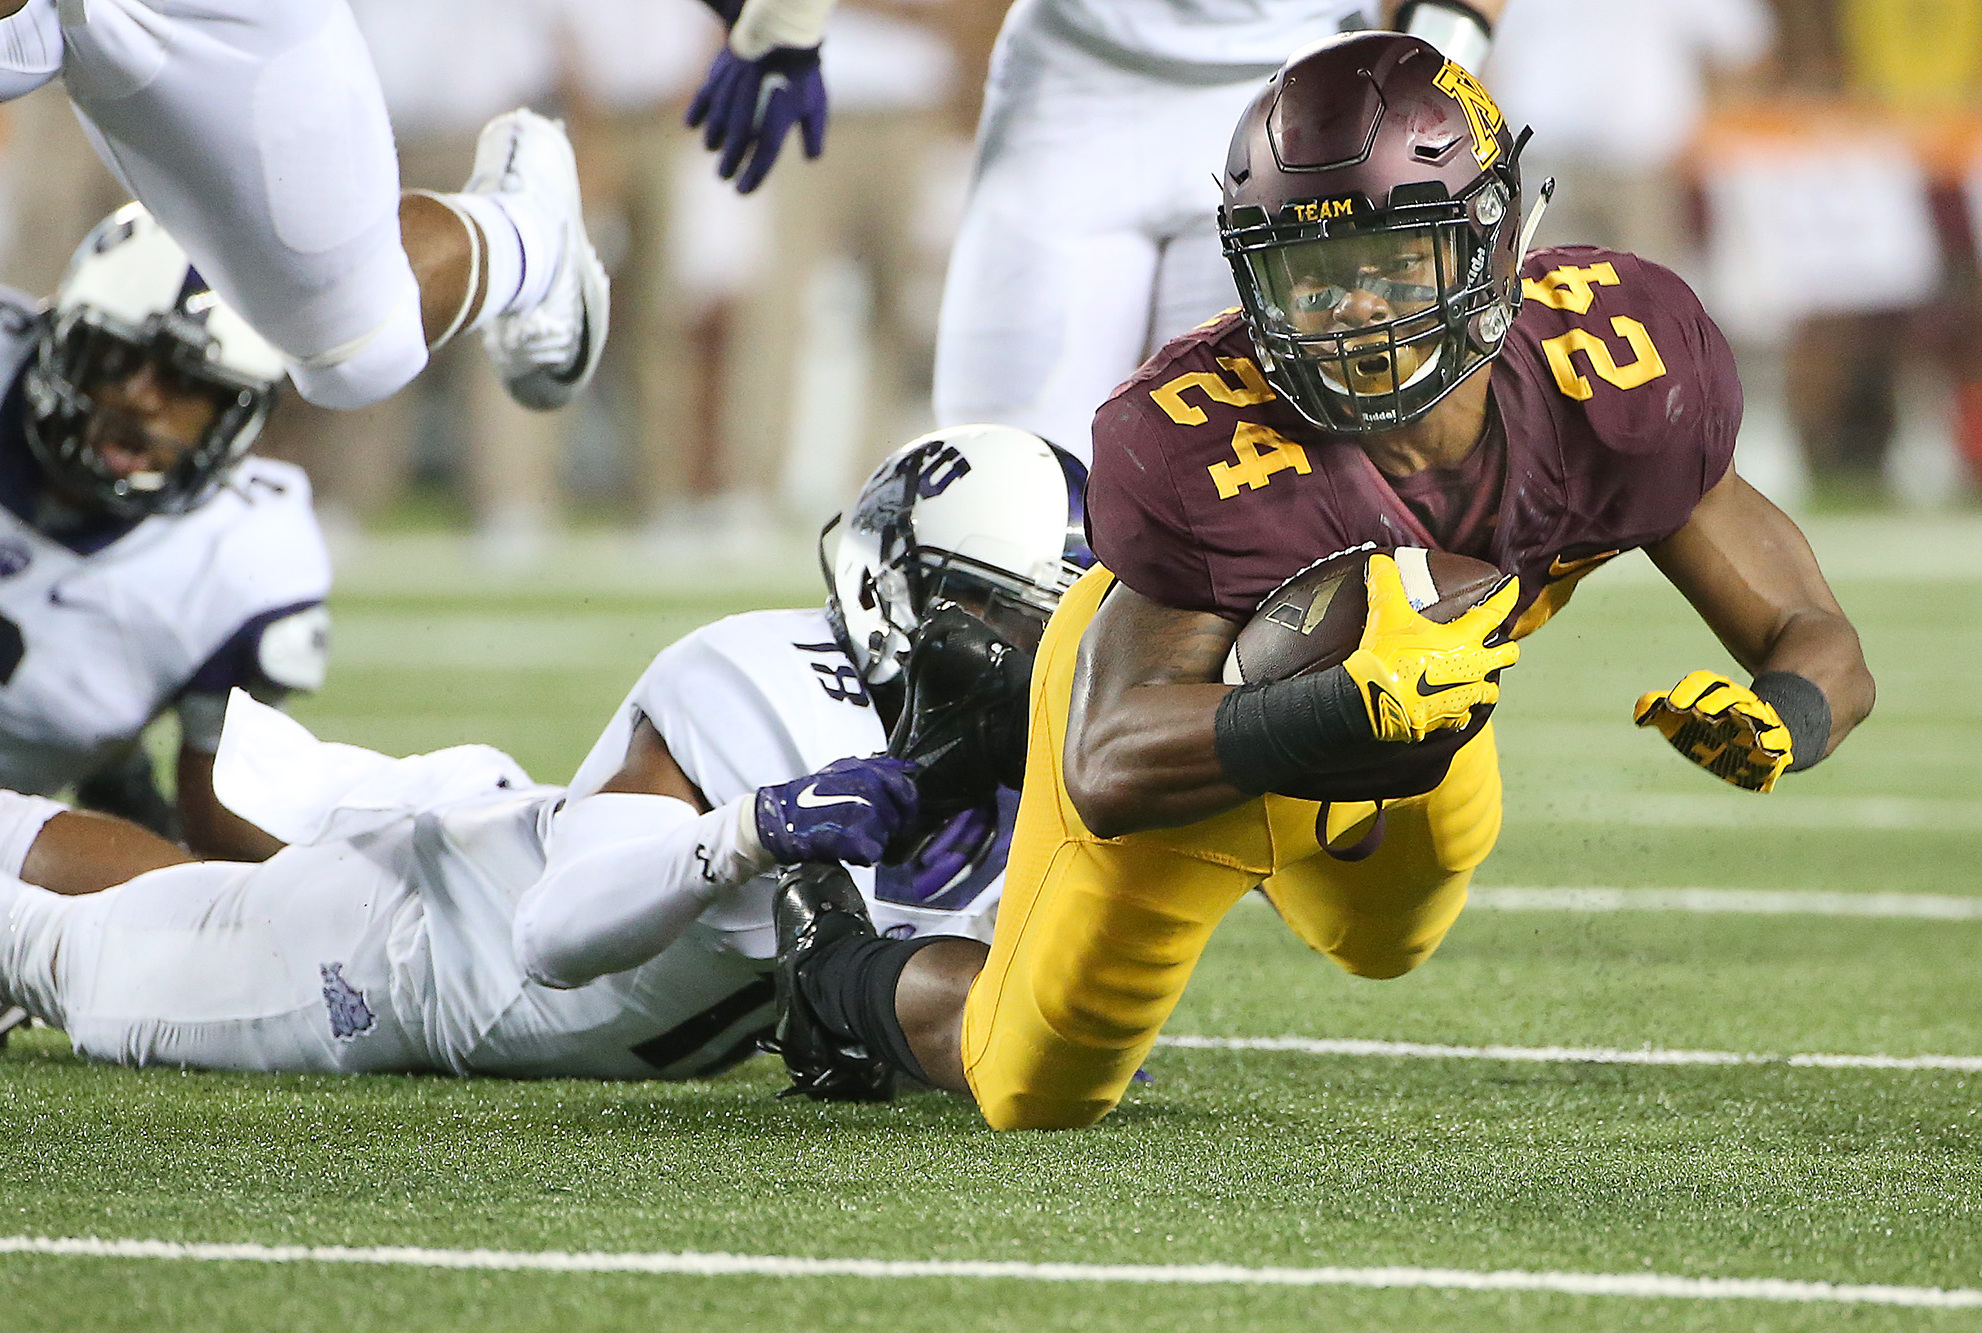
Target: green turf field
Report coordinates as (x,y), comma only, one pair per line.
(1294,1159)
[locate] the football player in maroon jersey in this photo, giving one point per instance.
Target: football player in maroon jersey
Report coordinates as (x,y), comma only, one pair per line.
(1398,373)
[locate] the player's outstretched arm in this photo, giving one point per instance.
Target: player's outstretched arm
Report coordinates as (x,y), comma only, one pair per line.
(1746,568)
(1142,735)
(629,868)
(212,830)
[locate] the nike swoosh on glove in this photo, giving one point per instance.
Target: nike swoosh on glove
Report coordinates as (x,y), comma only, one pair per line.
(747,107)
(1721,726)
(1417,676)
(846,811)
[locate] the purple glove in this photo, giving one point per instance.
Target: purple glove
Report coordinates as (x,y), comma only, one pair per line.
(941,859)
(750,105)
(949,868)
(846,811)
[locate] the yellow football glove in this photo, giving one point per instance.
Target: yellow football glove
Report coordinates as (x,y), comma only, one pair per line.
(1721,726)
(1417,676)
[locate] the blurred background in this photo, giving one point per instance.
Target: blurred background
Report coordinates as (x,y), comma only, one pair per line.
(1813,166)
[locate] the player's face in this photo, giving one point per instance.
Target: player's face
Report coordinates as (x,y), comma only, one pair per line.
(1331,288)
(147,416)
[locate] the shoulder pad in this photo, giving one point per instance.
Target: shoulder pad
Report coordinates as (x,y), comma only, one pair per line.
(1224,333)
(294,652)
(1629,342)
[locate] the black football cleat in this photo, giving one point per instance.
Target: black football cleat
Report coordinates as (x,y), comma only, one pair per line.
(816,906)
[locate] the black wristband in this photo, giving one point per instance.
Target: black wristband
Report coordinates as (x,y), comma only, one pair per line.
(1274,733)
(1803,709)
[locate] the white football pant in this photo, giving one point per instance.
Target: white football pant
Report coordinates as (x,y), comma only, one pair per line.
(1090,238)
(219,965)
(255,132)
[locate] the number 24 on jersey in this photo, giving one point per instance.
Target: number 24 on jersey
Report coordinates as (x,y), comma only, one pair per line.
(1574,289)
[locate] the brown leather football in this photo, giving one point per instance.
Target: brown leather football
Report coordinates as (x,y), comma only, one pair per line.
(1315,619)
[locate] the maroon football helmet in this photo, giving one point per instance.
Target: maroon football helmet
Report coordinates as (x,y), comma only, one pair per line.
(1371,217)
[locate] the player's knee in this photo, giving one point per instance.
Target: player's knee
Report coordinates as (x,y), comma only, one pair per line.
(1083,1049)
(1384,951)
(1022,1111)
(369,371)
(1381,965)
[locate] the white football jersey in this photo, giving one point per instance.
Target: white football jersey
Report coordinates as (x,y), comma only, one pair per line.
(1251,37)
(762,698)
(96,642)
(748,701)
(382,936)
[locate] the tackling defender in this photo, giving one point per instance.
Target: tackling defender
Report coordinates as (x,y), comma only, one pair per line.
(147,561)
(1399,374)
(443,913)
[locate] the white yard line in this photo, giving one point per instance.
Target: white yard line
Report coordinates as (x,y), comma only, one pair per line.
(1758,902)
(1589,1055)
(1643,1286)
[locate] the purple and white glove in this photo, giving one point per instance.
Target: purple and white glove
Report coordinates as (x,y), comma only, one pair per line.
(749,106)
(846,811)
(950,852)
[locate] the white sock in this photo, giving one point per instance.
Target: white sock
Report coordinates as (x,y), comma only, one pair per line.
(521,254)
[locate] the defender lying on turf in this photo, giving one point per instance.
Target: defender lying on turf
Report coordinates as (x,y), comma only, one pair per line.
(1378,387)
(444,913)
(148,560)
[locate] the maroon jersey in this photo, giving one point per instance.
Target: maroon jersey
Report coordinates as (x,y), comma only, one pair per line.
(1613,409)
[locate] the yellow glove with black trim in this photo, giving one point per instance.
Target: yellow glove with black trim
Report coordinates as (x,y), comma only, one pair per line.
(1416,676)
(1722,726)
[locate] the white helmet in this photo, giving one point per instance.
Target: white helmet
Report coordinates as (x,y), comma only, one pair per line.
(988,517)
(131,293)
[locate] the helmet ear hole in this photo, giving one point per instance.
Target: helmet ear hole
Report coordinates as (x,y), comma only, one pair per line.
(868,599)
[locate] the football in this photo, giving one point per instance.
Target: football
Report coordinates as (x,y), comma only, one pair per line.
(1315,619)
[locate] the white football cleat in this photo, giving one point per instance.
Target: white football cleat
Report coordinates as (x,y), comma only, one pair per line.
(546,353)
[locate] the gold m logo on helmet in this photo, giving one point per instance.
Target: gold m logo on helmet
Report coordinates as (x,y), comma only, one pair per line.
(1481,112)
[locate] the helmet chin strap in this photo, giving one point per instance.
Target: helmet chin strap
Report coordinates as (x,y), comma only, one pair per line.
(1542,196)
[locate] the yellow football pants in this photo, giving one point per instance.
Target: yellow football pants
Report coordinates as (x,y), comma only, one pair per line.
(1097,937)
